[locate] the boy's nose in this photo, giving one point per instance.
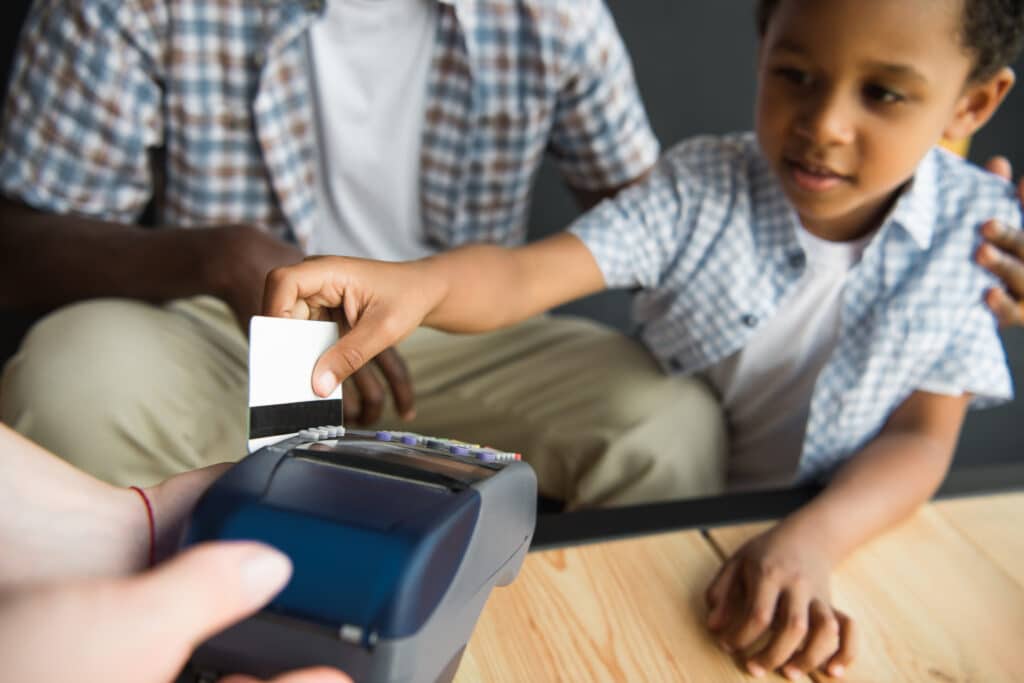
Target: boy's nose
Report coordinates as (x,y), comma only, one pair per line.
(827,121)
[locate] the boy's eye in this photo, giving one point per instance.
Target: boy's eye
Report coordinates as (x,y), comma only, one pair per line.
(794,75)
(882,95)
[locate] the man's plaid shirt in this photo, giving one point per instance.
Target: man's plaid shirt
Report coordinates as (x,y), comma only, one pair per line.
(222,88)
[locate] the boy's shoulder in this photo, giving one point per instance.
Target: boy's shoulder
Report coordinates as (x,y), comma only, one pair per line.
(963,190)
(727,148)
(721,163)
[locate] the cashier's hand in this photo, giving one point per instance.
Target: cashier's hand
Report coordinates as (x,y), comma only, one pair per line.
(141,628)
(770,605)
(1003,254)
(377,304)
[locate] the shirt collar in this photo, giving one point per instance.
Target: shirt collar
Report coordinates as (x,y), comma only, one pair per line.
(916,208)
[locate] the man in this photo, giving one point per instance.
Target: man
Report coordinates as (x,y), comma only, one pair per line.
(390,130)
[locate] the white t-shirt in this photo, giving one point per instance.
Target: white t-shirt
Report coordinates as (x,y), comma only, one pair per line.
(766,387)
(370,62)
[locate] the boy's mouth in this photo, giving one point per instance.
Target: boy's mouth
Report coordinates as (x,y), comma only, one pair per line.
(813,177)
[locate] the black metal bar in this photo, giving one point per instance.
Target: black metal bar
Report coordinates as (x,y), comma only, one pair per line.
(604,524)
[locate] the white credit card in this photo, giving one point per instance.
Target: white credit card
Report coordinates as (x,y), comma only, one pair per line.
(282,354)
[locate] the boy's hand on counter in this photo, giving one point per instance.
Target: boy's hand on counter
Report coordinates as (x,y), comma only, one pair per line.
(770,603)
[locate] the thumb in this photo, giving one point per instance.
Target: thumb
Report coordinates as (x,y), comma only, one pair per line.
(367,338)
(209,587)
(148,624)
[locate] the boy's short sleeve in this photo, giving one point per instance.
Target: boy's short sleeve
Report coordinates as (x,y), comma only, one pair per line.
(600,137)
(82,108)
(636,235)
(974,363)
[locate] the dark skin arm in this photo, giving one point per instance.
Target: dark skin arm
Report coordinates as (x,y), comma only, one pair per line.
(52,260)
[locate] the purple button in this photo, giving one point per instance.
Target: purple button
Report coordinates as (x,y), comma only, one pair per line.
(383,436)
(486,456)
(459,450)
(409,440)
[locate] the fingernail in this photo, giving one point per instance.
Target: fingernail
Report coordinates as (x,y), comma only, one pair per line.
(265,572)
(725,646)
(994,229)
(409,415)
(988,254)
(326,383)
(791,673)
(837,670)
(756,670)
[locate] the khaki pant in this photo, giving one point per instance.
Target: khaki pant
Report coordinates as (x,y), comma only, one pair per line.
(133,392)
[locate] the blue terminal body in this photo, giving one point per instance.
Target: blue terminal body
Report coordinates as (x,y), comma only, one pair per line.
(402,555)
(378,532)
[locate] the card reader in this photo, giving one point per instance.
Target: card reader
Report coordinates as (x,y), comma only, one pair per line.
(396,540)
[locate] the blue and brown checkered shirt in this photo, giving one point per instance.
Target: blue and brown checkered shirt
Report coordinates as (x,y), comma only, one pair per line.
(711,240)
(223,89)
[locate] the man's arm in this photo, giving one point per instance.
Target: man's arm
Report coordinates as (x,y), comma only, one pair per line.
(83,112)
(53,259)
(897,472)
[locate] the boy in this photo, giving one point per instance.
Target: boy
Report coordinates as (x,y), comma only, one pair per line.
(817,275)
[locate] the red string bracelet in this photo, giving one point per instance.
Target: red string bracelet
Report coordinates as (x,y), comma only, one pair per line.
(152,524)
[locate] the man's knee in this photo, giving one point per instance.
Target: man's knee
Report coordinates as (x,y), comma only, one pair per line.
(661,440)
(96,380)
(81,359)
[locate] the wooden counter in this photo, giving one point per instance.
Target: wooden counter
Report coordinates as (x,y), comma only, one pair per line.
(940,599)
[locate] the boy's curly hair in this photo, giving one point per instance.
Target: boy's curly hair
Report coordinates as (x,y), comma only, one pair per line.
(992,31)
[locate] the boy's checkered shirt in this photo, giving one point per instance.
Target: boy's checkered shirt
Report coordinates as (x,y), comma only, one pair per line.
(711,240)
(223,87)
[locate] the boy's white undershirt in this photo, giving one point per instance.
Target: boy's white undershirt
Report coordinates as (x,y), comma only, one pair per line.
(370,61)
(766,387)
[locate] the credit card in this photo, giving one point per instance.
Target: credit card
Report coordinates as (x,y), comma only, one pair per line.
(282,354)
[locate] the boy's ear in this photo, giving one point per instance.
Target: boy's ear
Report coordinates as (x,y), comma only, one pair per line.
(978,103)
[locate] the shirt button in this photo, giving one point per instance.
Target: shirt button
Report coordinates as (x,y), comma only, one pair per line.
(675,364)
(796,260)
(749,319)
